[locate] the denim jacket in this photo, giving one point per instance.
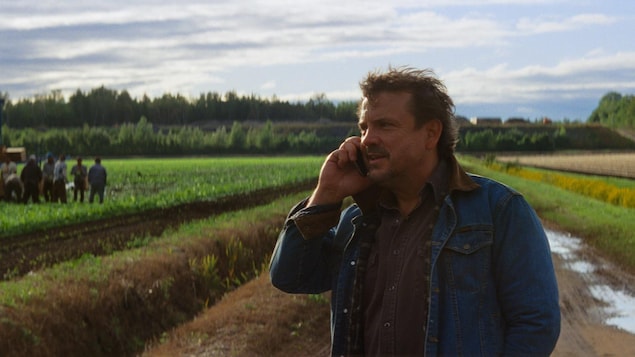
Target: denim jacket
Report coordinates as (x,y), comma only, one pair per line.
(493,287)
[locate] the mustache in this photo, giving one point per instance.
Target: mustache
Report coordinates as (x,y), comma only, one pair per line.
(376,150)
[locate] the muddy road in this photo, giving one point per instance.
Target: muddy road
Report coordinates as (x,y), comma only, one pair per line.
(597,301)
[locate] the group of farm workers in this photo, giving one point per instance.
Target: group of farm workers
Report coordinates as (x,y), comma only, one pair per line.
(51,180)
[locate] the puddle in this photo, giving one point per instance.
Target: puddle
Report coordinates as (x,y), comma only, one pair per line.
(620,304)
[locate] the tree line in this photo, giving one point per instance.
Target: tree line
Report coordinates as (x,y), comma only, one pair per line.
(103,107)
(615,110)
(110,123)
(145,138)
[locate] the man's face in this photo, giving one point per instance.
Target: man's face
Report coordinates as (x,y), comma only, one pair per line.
(396,149)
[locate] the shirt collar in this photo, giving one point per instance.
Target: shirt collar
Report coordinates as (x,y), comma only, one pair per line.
(446,178)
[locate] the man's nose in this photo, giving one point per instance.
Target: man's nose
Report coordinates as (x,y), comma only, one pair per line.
(369,138)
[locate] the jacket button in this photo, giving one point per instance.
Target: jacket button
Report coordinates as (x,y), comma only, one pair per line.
(466,247)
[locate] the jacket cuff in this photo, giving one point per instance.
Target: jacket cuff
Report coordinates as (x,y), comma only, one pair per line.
(315,221)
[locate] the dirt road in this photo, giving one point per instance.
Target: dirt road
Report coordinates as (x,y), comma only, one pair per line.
(586,282)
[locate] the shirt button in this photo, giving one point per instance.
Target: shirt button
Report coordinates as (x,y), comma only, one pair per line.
(386,324)
(345,311)
(352,262)
(395,252)
(392,288)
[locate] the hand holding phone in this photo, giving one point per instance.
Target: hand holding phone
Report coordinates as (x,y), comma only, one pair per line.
(360,163)
(342,174)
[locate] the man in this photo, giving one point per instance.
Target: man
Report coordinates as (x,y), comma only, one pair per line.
(97,179)
(79,174)
(429,260)
(59,180)
(31,176)
(48,171)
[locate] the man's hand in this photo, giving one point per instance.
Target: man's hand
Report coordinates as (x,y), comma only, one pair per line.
(339,177)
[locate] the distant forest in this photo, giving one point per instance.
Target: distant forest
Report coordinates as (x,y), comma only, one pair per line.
(103,107)
(615,111)
(111,123)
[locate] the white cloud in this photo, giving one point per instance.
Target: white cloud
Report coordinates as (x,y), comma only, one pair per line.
(559,24)
(268,85)
(503,84)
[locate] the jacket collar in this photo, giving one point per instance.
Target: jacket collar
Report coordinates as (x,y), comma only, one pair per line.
(459,180)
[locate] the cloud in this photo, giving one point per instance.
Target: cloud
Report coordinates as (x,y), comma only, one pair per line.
(487,50)
(571,77)
(551,24)
(268,85)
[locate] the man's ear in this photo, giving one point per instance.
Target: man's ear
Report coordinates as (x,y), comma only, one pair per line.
(432,129)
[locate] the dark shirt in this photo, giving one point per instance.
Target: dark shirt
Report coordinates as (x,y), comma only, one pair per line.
(79,172)
(31,173)
(97,175)
(395,296)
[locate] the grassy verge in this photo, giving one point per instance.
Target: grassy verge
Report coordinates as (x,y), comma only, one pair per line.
(605,226)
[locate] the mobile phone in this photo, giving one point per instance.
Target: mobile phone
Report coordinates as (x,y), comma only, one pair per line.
(360,163)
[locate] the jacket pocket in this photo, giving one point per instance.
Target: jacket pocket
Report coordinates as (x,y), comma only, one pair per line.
(466,259)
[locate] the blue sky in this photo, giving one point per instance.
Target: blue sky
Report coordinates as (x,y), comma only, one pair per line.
(525,58)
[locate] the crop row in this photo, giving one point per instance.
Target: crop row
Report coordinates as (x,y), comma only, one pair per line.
(606,164)
(619,192)
(136,185)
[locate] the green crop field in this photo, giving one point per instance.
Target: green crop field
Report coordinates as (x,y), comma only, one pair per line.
(135,185)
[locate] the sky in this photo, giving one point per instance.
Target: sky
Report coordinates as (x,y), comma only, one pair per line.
(498,58)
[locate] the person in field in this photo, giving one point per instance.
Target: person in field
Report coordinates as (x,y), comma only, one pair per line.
(48,172)
(97,178)
(429,259)
(31,176)
(59,180)
(79,173)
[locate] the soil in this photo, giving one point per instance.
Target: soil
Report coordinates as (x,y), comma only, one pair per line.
(32,251)
(256,319)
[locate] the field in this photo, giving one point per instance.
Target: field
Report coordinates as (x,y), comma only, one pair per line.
(92,269)
(121,275)
(143,197)
(136,185)
(605,164)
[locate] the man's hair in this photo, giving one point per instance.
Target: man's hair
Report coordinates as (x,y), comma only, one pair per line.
(429,99)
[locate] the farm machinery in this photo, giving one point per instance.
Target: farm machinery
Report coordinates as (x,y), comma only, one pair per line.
(15,154)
